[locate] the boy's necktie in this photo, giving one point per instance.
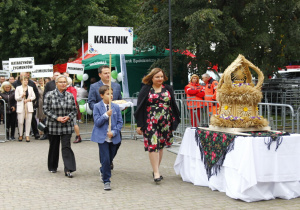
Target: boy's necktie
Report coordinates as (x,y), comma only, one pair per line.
(107,107)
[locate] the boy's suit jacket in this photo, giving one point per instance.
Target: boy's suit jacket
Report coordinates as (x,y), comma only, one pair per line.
(101,123)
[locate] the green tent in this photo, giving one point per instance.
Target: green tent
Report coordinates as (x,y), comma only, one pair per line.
(137,65)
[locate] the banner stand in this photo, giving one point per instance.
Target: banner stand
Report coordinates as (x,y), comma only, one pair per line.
(109,122)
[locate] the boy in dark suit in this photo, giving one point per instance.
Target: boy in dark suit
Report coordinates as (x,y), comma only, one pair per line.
(107,140)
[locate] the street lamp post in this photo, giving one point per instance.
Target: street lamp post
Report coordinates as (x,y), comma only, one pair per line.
(170,44)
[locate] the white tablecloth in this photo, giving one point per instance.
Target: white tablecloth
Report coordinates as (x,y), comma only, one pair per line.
(250,172)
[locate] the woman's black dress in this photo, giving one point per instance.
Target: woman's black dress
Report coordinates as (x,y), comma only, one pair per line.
(159,118)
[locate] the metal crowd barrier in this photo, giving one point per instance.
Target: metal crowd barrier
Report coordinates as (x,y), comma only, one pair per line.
(179,94)
(298,120)
(189,113)
(4,104)
(131,134)
(280,116)
(85,123)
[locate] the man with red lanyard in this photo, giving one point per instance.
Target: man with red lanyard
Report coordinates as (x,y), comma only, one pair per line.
(194,92)
(210,92)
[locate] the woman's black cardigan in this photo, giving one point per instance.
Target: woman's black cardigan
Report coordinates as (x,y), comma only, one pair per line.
(141,112)
(9,98)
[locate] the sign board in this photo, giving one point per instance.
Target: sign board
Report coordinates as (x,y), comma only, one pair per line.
(42,71)
(5,73)
(5,65)
(24,64)
(75,68)
(110,40)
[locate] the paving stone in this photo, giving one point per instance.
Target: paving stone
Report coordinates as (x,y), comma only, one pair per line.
(25,182)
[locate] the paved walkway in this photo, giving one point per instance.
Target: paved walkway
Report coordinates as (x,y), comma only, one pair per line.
(25,182)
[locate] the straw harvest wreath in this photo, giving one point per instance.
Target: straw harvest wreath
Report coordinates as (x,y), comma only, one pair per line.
(238,97)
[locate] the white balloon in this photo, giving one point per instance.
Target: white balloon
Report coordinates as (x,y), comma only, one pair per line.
(85,77)
(120,77)
(88,110)
(113,80)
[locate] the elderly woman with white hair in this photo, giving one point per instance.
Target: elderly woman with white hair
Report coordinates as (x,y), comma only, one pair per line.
(73,90)
(7,93)
(60,109)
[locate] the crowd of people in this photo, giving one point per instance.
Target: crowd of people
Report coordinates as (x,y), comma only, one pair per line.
(24,104)
(54,103)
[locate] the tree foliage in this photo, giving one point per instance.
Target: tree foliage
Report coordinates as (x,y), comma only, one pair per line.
(267,32)
(51,31)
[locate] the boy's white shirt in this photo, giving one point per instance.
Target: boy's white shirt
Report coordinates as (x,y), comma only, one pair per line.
(106,138)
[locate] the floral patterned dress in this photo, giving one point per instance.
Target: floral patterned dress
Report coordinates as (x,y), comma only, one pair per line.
(159,118)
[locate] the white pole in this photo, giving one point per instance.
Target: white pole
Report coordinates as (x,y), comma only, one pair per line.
(82,55)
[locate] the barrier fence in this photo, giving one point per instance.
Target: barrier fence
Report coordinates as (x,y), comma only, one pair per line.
(281,117)
(3,132)
(298,120)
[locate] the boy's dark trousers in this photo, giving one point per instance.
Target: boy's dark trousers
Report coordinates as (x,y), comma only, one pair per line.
(107,152)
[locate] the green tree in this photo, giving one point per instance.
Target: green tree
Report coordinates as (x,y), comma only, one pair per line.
(51,31)
(125,12)
(266,32)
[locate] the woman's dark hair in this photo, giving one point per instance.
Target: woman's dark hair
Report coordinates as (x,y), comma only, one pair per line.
(147,80)
(103,89)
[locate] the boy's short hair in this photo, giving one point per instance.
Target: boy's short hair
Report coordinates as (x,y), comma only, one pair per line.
(103,89)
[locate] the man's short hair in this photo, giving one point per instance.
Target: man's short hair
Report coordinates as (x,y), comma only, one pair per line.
(102,67)
(103,89)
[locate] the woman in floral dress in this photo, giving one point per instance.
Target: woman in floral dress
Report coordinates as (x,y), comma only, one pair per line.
(157,115)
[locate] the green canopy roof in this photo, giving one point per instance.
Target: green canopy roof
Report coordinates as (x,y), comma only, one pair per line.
(146,57)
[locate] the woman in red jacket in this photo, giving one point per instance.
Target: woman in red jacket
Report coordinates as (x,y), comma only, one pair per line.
(73,90)
(194,92)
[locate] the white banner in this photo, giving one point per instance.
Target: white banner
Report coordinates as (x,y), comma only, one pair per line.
(5,65)
(5,73)
(42,71)
(24,64)
(75,68)
(110,40)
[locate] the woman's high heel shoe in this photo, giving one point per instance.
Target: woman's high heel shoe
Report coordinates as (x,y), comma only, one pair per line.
(161,177)
(27,139)
(157,179)
(20,138)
